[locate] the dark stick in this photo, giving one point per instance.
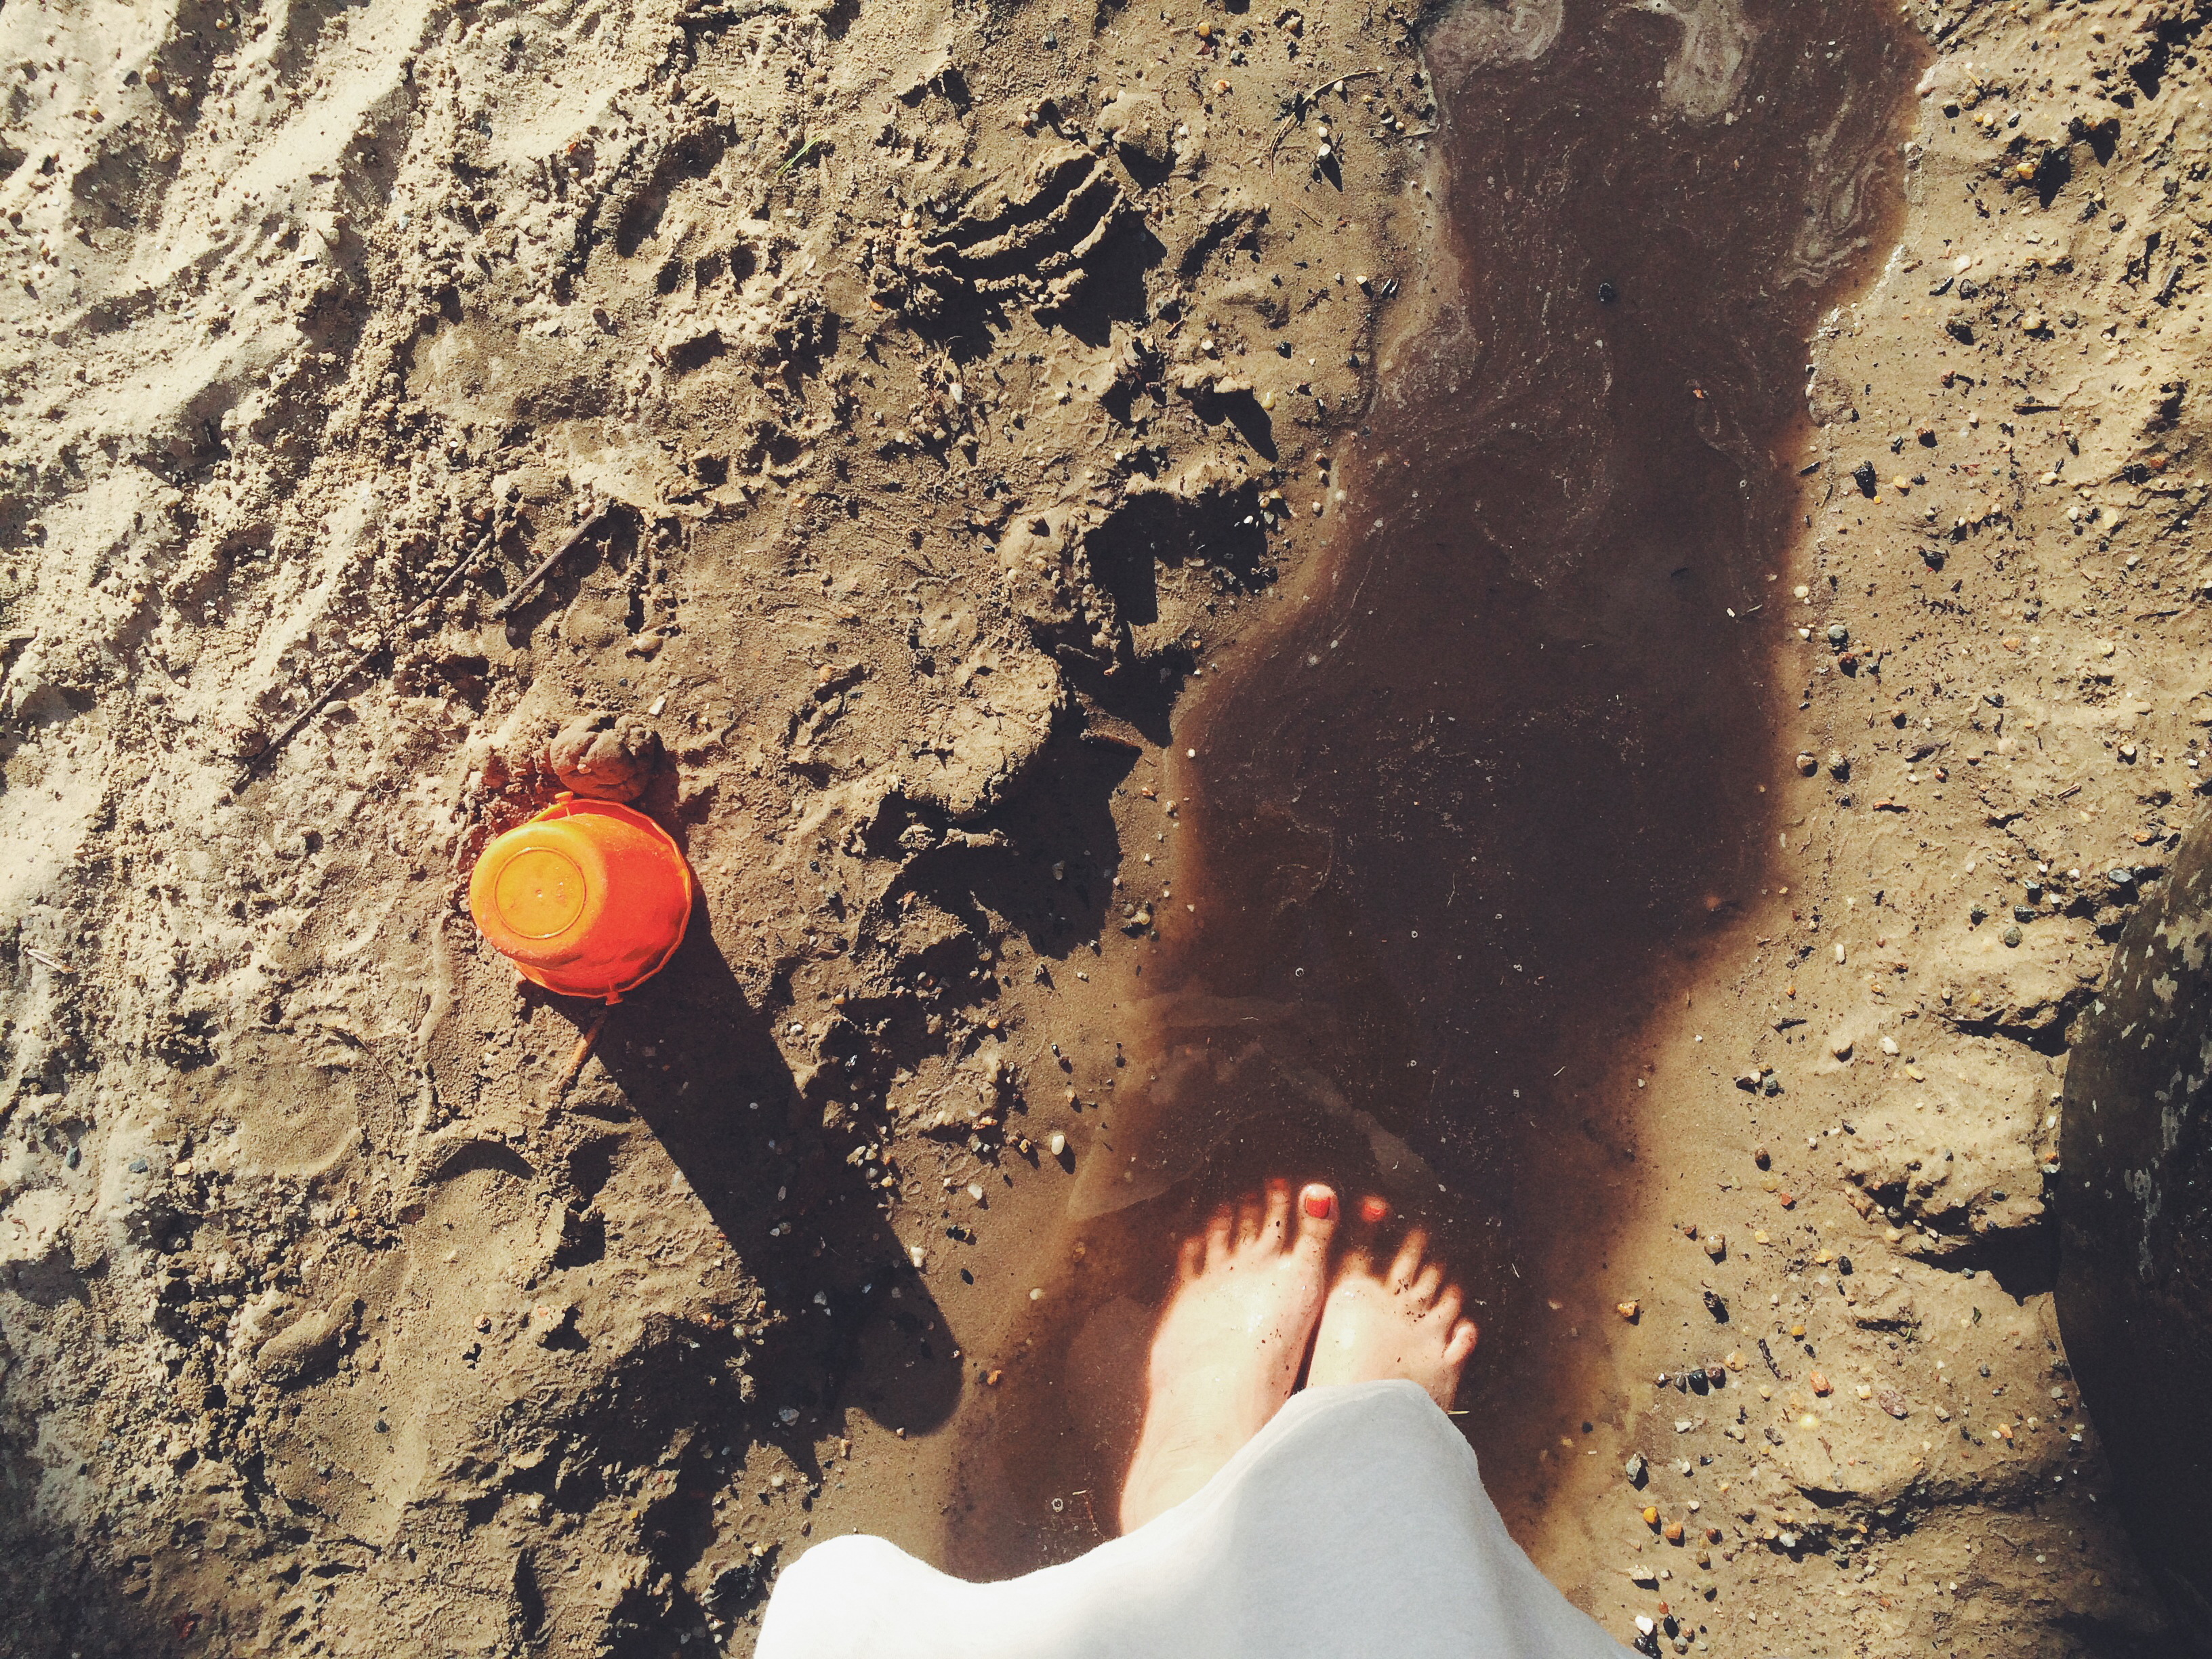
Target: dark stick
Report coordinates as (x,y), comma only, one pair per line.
(569,542)
(582,1053)
(489,540)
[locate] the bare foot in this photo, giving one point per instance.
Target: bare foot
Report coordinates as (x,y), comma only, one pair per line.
(1229,1342)
(1405,1323)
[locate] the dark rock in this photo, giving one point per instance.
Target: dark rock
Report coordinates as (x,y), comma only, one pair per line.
(2135,1207)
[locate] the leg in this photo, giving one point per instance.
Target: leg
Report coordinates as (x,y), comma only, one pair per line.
(1230,1343)
(1404,1322)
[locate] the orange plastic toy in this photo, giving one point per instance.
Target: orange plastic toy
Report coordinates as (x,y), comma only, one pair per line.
(589,898)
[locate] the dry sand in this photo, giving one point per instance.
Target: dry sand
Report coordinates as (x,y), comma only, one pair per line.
(929,359)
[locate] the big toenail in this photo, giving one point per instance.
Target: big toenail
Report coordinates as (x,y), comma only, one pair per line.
(1373,1209)
(1320,1206)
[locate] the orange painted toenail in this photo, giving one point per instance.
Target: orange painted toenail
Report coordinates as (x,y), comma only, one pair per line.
(1320,1207)
(1373,1209)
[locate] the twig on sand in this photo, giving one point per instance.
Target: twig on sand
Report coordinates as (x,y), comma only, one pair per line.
(581,1053)
(37,955)
(489,540)
(1300,100)
(528,584)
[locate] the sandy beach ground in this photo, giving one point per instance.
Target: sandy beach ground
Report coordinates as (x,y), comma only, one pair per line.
(945,391)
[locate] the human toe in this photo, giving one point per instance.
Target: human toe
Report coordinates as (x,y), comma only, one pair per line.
(1317,1216)
(1461,1343)
(1220,1235)
(1406,1267)
(1251,1220)
(1275,1218)
(1447,1309)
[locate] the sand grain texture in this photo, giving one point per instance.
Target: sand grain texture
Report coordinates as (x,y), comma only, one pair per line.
(959,382)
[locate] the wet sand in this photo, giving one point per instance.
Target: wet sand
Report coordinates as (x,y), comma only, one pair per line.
(1477,805)
(962,379)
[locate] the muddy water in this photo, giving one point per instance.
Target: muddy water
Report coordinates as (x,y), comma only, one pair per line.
(1465,816)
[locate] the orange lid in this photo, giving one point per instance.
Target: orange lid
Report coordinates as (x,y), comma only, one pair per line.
(588,898)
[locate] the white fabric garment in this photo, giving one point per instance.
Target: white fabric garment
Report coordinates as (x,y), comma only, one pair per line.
(1353,1524)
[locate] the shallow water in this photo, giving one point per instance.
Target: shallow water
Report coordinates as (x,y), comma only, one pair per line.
(1471,808)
